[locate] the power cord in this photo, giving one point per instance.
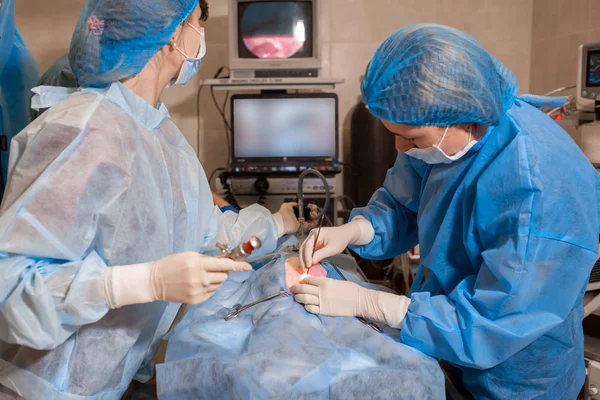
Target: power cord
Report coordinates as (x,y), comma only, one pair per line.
(229,197)
(225,122)
(215,76)
(212,175)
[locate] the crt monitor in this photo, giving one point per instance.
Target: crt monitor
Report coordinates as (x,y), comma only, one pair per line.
(270,37)
(300,127)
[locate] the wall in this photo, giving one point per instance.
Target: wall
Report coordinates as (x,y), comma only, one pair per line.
(559,27)
(352,30)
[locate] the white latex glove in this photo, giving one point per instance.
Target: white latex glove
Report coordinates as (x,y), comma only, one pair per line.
(334,240)
(189,278)
(347,299)
(286,220)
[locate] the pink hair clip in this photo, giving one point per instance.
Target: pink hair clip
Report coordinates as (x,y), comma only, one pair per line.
(95,25)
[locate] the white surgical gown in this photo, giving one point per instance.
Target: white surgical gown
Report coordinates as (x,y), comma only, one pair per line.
(100,179)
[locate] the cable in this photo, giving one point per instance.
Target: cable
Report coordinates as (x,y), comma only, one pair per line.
(562,89)
(348,199)
(301,194)
(198,119)
(210,180)
(215,76)
(229,197)
(227,126)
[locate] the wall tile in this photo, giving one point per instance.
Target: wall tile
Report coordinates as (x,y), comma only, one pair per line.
(593,35)
(594,12)
(465,15)
(349,61)
(544,66)
(506,20)
(572,16)
(545,19)
(567,58)
(375,20)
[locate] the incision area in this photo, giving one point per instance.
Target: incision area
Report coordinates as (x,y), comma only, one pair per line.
(294,271)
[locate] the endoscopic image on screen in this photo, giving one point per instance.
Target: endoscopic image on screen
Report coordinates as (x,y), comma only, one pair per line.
(275,30)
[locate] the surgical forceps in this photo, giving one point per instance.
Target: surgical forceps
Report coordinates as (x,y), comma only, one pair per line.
(238,308)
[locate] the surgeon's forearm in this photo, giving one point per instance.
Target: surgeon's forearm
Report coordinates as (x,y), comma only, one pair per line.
(128,284)
(364,231)
(387,308)
(219,201)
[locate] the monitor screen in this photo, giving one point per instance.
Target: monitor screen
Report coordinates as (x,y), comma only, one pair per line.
(593,69)
(275,29)
(291,127)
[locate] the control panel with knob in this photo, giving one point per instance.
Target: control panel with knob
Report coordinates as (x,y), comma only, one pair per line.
(261,185)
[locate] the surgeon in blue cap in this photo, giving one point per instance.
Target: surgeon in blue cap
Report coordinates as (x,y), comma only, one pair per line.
(503,204)
(108,220)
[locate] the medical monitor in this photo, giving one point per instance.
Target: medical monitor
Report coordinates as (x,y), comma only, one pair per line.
(588,79)
(274,39)
(284,128)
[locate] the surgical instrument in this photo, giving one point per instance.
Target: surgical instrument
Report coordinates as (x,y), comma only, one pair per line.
(237,253)
(238,308)
(361,319)
(242,251)
(294,248)
(317,236)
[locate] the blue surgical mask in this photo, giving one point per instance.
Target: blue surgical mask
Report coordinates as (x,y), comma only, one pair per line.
(191,65)
(435,155)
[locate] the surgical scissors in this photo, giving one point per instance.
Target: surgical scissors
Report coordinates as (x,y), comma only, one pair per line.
(238,308)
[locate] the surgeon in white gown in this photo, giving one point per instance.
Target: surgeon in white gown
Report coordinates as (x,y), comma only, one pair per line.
(108,216)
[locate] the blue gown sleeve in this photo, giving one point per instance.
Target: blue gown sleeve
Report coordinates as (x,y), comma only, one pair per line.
(392,211)
(537,242)
(51,278)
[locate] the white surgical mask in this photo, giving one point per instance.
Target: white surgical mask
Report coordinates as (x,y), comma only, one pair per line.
(435,155)
(190,65)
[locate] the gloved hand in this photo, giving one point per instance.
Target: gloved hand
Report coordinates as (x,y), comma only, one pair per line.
(347,299)
(189,278)
(286,221)
(334,240)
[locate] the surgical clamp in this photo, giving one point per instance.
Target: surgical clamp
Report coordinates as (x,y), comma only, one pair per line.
(238,308)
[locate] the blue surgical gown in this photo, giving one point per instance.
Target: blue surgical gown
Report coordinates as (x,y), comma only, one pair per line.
(508,235)
(100,179)
(18,74)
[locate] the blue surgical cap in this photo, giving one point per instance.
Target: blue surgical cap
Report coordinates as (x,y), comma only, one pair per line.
(115,39)
(428,74)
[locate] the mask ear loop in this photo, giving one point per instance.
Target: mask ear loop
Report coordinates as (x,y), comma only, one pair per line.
(201,51)
(443,136)
(470,134)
